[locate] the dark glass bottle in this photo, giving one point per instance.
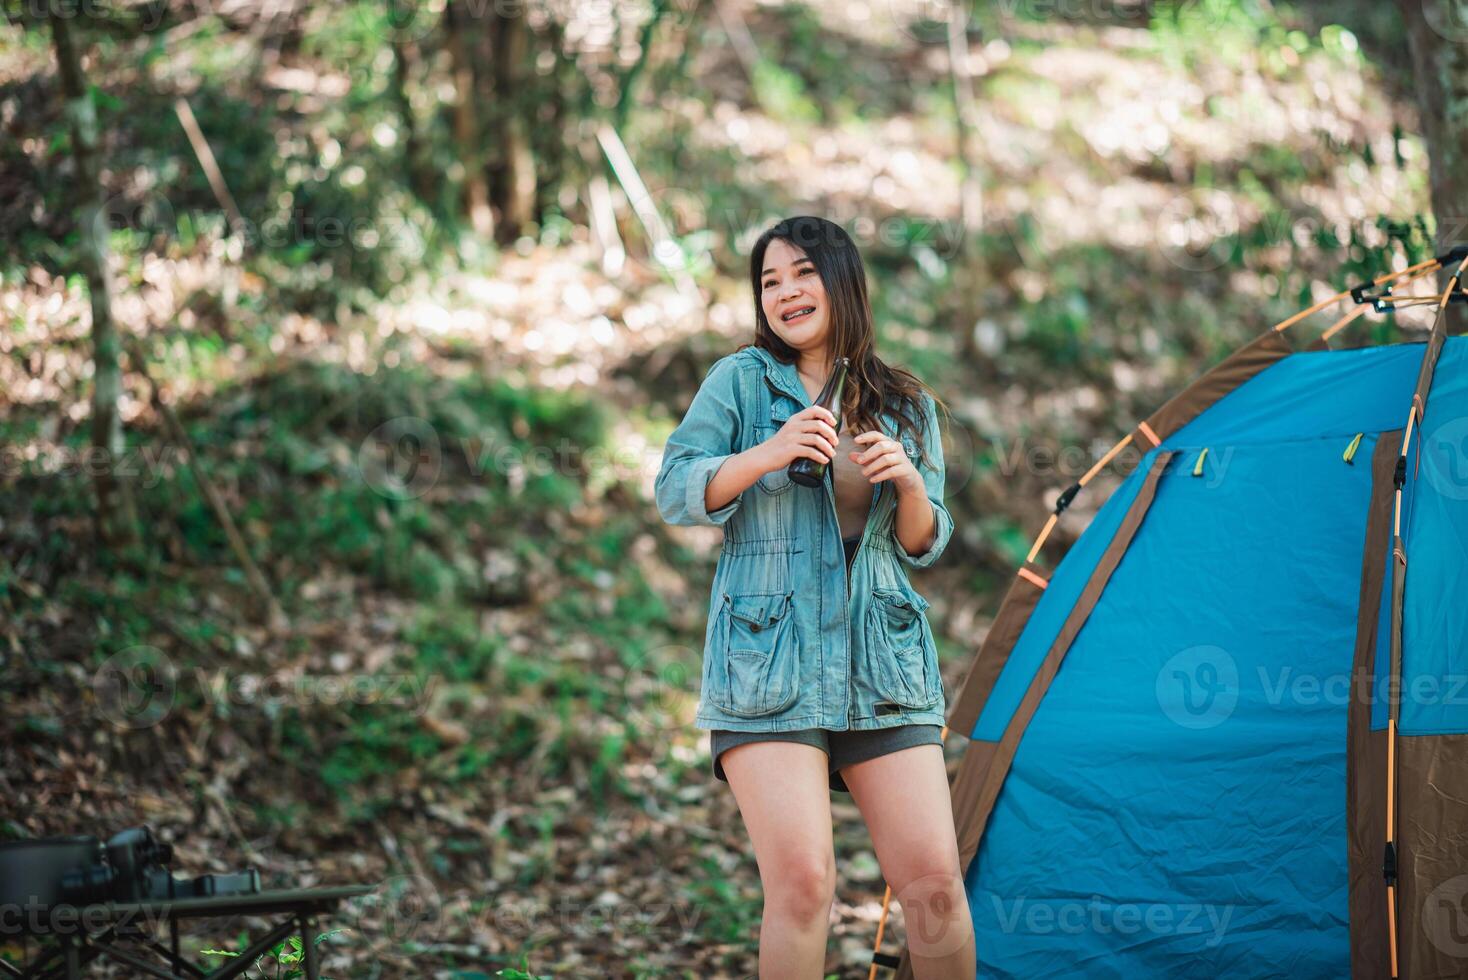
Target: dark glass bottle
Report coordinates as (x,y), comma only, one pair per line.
(808,472)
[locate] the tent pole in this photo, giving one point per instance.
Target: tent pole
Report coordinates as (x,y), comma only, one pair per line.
(881,924)
(1290,321)
(1390,862)
(1405,279)
(1409,274)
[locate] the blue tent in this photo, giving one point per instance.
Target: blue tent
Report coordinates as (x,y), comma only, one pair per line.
(1182,744)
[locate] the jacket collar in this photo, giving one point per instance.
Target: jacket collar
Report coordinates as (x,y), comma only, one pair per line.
(785,378)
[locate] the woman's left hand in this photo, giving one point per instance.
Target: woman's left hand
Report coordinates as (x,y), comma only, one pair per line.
(885,459)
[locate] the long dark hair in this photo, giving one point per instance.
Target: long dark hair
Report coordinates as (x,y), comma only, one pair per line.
(871,384)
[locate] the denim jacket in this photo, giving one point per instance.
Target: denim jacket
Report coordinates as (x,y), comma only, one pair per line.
(790,643)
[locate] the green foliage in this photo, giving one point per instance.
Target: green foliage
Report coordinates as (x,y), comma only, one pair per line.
(285,961)
(448,643)
(729,914)
(1189,31)
(782,94)
(522,973)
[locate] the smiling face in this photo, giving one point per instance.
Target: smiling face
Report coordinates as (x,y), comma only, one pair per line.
(793,297)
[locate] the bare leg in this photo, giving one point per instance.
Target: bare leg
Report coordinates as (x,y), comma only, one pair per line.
(784,795)
(904,798)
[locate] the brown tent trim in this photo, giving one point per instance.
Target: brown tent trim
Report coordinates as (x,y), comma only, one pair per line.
(1218,381)
(1433,852)
(1435,341)
(1365,749)
(1014,612)
(983,804)
(985,765)
(1000,759)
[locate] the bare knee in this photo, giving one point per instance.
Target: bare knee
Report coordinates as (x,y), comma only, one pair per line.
(934,907)
(802,887)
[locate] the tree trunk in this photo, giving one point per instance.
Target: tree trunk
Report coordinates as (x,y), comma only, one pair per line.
(552,149)
(466,123)
(513,177)
(971,195)
(116,516)
(420,178)
(1437,34)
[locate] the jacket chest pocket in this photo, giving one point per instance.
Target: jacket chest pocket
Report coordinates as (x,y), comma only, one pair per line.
(898,649)
(755,670)
(765,427)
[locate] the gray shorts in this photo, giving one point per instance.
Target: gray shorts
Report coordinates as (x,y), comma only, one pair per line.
(841,748)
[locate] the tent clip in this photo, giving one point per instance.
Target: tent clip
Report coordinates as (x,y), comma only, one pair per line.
(1066,497)
(1399,476)
(1389,863)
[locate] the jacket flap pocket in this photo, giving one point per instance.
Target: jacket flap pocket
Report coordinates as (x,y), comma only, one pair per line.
(758,609)
(902,600)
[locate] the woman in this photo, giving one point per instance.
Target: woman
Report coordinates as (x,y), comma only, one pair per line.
(819,670)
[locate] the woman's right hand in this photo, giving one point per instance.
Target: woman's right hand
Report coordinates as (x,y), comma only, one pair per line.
(808,434)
